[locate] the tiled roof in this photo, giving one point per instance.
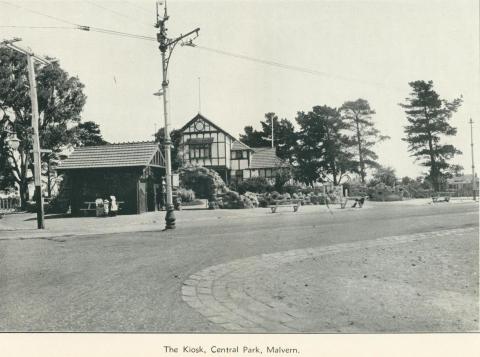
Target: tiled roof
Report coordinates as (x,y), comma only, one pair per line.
(238,145)
(265,158)
(461,179)
(111,155)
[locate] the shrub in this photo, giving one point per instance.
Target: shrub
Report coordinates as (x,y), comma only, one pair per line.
(275,195)
(253,198)
(233,200)
(291,189)
(58,204)
(186,195)
(255,184)
(206,183)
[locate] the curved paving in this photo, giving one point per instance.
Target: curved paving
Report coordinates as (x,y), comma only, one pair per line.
(223,293)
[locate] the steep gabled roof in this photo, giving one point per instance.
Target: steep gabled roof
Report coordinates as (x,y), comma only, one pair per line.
(111,155)
(264,158)
(200,116)
(238,145)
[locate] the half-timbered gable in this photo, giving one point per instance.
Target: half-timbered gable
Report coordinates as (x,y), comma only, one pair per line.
(205,143)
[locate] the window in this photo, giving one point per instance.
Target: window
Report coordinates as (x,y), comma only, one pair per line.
(238,154)
(200,151)
(267,173)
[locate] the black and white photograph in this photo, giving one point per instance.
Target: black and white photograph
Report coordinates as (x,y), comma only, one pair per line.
(239,167)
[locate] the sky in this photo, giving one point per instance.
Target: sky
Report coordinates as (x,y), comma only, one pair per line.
(354,49)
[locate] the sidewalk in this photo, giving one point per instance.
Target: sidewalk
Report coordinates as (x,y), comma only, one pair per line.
(23,225)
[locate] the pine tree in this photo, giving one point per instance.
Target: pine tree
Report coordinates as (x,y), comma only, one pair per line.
(428,118)
(359,115)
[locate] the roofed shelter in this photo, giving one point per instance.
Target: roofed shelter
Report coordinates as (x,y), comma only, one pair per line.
(132,172)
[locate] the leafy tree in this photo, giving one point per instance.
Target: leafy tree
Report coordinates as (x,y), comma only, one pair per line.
(358,115)
(428,117)
(323,148)
(88,134)
(176,147)
(283,134)
(385,175)
(454,170)
(253,138)
(282,176)
(60,103)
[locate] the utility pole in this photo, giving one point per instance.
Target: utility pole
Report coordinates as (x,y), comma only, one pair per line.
(474,183)
(199,96)
(273,141)
(35,117)
(166,47)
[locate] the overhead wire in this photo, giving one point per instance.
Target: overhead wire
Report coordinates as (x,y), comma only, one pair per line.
(136,6)
(118,13)
(38,13)
(230,54)
(287,66)
(75,26)
(41,27)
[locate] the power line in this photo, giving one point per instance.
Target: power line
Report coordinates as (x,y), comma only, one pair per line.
(137,6)
(230,54)
(286,66)
(117,13)
(115,33)
(77,26)
(41,27)
(39,13)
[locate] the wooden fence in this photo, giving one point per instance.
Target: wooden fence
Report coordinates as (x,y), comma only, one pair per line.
(10,204)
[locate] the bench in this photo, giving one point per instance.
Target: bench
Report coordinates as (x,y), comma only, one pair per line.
(441,198)
(92,207)
(278,204)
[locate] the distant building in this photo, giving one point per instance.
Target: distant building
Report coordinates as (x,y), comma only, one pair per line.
(132,172)
(462,185)
(205,143)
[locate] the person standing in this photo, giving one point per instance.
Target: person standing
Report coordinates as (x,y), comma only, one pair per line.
(113,206)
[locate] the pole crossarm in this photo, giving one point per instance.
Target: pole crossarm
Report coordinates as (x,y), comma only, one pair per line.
(10,44)
(181,37)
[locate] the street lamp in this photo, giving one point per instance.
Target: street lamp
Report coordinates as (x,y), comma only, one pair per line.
(166,47)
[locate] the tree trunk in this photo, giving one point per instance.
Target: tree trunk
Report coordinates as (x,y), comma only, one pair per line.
(433,164)
(23,185)
(360,155)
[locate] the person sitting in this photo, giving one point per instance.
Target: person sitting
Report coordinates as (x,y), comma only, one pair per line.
(360,201)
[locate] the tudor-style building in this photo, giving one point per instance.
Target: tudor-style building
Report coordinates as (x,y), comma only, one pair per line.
(205,143)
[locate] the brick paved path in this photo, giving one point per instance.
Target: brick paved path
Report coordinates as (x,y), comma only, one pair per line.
(225,293)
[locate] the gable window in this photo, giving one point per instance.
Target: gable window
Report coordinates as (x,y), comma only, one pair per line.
(239,154)
(200,151)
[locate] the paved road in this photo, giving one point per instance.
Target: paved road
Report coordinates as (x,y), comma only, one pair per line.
(364,270)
